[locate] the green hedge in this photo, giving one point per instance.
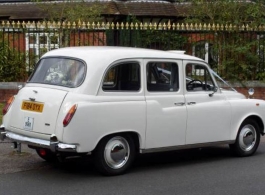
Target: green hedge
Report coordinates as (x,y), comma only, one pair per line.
(12,64)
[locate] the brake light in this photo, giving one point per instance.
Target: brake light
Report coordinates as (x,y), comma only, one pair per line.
(8,104)
(42,152)
(69,115)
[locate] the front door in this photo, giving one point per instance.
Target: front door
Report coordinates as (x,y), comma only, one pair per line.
(209,113)
(166,109)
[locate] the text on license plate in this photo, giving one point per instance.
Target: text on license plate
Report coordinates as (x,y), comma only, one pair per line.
(28,123)
(32,106)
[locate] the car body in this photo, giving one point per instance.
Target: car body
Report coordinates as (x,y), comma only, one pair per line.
(123,101)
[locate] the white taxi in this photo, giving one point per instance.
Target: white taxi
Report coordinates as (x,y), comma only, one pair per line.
(115,102)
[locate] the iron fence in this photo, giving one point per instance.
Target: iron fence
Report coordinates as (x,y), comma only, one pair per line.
(235,52)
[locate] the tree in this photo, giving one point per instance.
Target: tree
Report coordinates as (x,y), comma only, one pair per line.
(63,13)
(12,62)
(72,10)
(227,11)
(237,47)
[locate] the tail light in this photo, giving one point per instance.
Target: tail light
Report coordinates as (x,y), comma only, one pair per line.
(8,104)
(69,115)
(42,152)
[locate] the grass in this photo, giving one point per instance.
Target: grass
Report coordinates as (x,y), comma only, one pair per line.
(1,114)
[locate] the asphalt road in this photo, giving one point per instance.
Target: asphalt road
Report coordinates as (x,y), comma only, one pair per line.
(207,171)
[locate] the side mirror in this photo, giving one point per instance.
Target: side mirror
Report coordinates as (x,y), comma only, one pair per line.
(215,89)
(250,92)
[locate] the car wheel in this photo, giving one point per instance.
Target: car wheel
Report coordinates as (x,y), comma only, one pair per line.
(248,139)
(114,154)
(46,154)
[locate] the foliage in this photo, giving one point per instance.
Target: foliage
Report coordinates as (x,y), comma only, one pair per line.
(227,12)
(148,37)
(238,58)
(154,39)
(72,10)
(237,50)
(12,64)
(162,39)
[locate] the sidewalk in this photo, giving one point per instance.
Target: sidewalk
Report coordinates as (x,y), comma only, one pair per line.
(11,161)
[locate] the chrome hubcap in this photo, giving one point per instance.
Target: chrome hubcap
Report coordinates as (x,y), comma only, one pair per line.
(117,152)
(247,138)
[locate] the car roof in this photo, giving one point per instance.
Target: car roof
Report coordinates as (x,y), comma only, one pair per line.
(113,53)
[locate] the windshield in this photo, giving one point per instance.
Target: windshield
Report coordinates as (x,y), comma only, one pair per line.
(222,84)
(59,71)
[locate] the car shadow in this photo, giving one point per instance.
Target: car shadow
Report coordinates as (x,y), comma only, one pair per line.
(184,157)
(84,166)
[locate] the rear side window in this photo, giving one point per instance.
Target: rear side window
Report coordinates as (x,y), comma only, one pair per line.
(59,71)
(123,77)
(162,76)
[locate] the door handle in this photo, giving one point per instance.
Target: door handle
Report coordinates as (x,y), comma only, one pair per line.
(179,103)
(191,103)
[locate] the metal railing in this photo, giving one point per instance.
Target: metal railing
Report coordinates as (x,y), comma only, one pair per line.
(235,52)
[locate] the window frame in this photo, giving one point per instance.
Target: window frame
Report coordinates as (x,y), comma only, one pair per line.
(115,64)
(205,68)
(63,57)
(160,61)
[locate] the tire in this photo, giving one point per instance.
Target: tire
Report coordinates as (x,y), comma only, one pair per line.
(46,155)
(247,140)
(114,154)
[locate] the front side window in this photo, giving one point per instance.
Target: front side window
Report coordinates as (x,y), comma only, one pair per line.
(162,76)
(59,71)
(198,78)
(123,77)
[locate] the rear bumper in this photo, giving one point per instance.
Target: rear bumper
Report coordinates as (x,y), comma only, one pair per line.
(53,144)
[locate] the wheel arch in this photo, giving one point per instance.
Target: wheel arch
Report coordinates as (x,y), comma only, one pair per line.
(258,120)
(248,138)
(134,135)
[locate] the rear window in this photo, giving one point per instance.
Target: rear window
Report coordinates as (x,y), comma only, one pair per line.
(59,71)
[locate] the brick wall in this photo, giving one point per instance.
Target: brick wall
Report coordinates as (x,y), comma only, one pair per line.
(5,94)
(259,92)
(8,89)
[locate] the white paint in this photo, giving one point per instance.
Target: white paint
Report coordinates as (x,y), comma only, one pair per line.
(157,118)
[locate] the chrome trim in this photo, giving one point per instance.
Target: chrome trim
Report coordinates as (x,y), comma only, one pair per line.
(247,137)
(179,103)
(54,146)
(32,99)
(189,146)
(117,152)
(2,132)
(2,136)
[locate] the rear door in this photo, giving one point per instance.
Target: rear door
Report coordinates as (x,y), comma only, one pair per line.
(166,109)
(37,109)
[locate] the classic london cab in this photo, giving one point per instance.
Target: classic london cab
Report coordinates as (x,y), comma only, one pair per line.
(115,102)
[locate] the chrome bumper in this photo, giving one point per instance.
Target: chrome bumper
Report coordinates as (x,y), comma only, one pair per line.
(53,144)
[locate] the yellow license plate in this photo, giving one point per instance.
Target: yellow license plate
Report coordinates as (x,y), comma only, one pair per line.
(32,106)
